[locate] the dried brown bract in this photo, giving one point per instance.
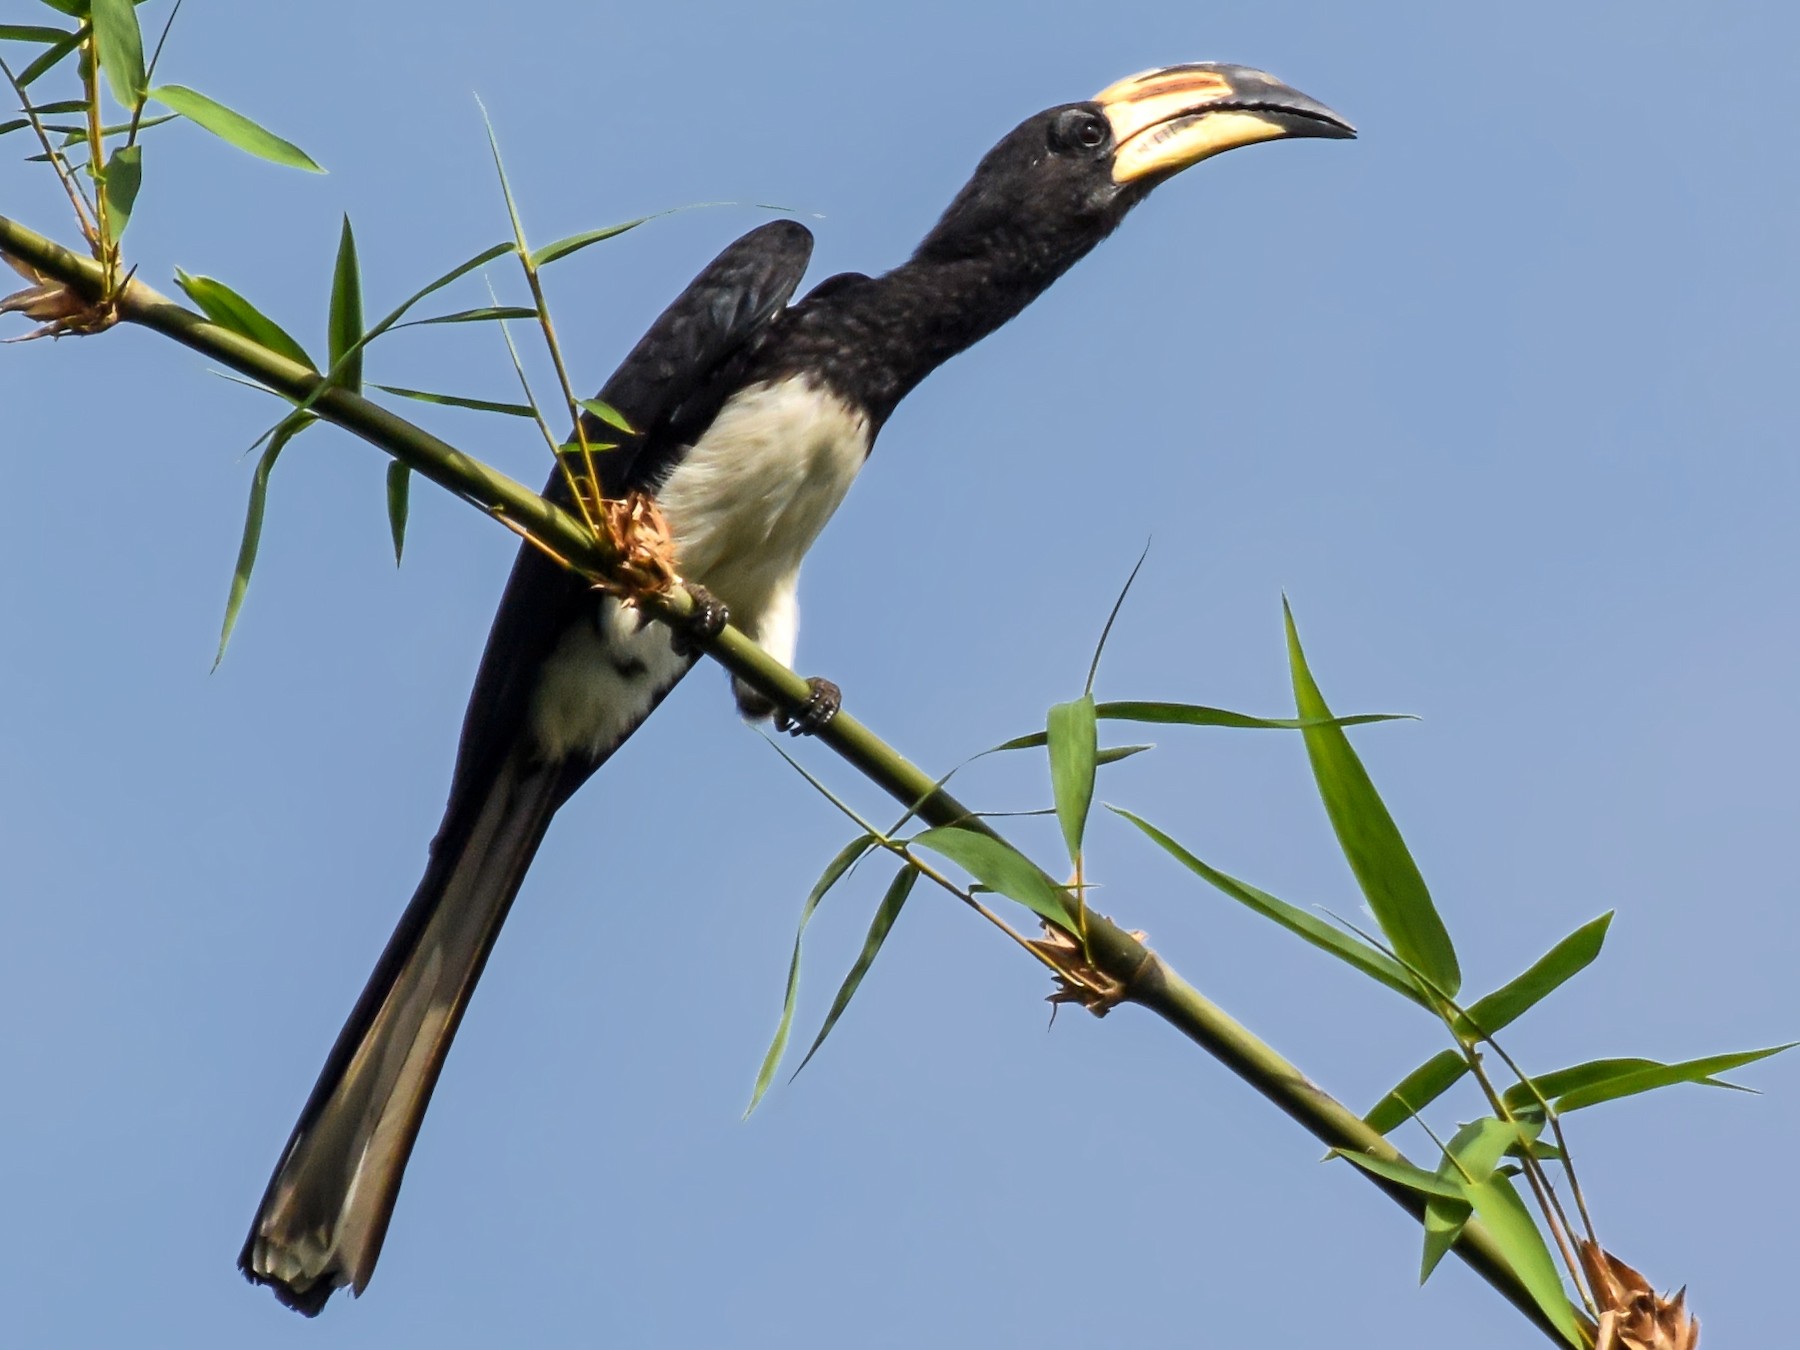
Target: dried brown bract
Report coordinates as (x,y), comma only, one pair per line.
(636,527)
(1632,1315)
(60,310)
(1078,980)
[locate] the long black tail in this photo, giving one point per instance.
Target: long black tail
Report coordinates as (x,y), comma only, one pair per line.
(326,1211)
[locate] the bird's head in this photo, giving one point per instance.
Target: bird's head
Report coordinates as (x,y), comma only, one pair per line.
(1062,180)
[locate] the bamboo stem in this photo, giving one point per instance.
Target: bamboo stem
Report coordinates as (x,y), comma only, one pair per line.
(1146,977)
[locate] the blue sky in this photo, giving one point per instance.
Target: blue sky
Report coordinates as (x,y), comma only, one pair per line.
(1495,394)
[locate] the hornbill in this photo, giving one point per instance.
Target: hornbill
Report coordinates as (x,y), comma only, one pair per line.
(749,419)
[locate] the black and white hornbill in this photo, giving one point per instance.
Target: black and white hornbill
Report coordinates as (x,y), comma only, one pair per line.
(751,417)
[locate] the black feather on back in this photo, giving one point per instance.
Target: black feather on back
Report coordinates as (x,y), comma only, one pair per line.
(668,378)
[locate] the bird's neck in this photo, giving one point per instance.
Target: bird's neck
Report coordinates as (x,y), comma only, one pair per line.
(906,323)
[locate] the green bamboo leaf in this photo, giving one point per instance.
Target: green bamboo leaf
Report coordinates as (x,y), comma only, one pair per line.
(1111,618)
(1444,1222)
(228,309)
(1377,965)
(27,32)
(1112,754)
(75,9)
(345,324)
(1516,1235)
(1372,845)
(484,313)
(1413,1093)
(833,873)
(124,175)
(51,57)
(562,248)
(885,914)
(121,45)
(1521,1097)
(607,414)
(1607,1080)
(1473,1154)
(1402,1174)
(1002,869)
(395,315)
(17,124)
(399,497)
(290,427)
(1547,974)
(57,109)
(1488,1015)
(78,135)
(458,401)
(1074,747)
(1199,715)
(1478,1147)
(233,127)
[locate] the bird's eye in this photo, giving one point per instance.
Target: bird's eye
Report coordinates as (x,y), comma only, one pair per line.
(1079,128)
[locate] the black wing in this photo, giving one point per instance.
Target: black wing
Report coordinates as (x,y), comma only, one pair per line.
(723,311)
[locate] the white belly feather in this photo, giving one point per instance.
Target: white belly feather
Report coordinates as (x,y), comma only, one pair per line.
(745,504)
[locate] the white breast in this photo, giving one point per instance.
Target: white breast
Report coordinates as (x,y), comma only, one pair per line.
(748,500)
(745,505)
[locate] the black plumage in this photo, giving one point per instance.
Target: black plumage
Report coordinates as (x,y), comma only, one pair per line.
(750,419)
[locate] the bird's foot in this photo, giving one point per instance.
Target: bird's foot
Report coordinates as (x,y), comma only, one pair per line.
(822,703)
(705,622)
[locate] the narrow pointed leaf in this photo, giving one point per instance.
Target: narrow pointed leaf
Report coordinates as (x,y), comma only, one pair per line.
(1444,1222)
(1074,747)
(1372,845)
(1196,715)
(1473,1153)
(1002,869)
(124,175)
(1479,1146)
(233,127)
(562,248)
(1488,1015)
(399,312)
(1550,1086)
(1111,618)
(1648,1078)
(458,401)
(1403,1174)
(833,873)
(399,498)
(51,57)
(1548,973)
(78,135)
(228,309)
(1413,1093)
(885,914)
(1378,965)
(121,45)
(1112,754)
(290,427)
(481,314)
(1517,1236)
(27,32)
(607,414)
(1199,715)
(345,324)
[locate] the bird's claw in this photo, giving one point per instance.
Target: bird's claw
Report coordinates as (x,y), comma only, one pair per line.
(706,621)
(822,703)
